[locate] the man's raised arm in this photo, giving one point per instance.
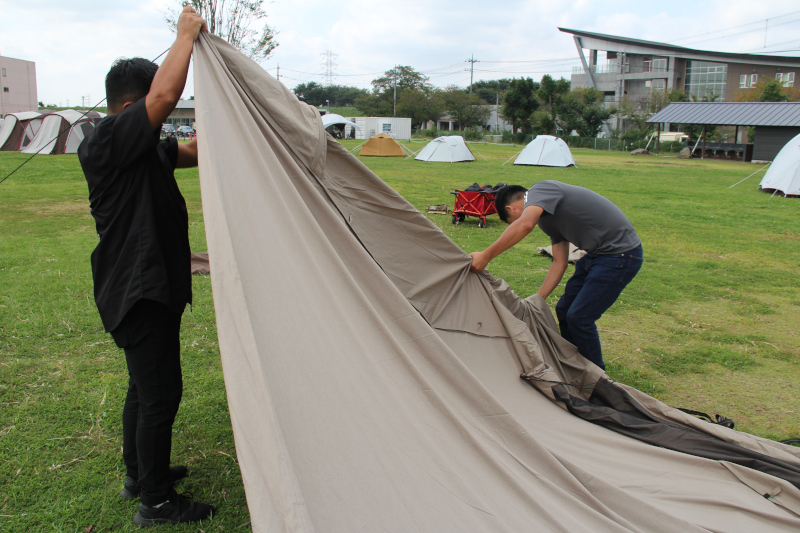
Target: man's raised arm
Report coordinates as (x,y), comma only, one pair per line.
(167,86)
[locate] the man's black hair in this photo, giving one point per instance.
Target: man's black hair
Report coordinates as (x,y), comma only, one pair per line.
(129,80)
(505,196)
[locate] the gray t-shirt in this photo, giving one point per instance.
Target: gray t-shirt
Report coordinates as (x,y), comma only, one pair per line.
(582,217)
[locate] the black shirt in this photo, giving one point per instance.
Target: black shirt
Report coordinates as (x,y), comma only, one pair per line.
(140,216)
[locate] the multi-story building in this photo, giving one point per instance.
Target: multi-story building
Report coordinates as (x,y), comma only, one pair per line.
(633,68)
(17,86)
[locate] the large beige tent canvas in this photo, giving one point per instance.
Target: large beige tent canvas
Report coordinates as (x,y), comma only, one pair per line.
(374,382)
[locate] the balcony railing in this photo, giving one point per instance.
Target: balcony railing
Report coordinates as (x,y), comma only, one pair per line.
(609,68)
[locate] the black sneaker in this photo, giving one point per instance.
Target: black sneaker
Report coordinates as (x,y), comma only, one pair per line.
(177,510)
(131,487)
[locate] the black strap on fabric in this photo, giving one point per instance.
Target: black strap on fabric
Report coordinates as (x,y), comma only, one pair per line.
(718,419)
(791,441)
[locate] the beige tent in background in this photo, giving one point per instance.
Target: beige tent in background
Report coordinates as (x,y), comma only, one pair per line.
(374,382)
(382,145)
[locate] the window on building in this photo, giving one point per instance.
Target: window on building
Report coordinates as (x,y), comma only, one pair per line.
(655,65)
(4,72)
(787,78)
(706,81)
(743,81)
(5,89)
(753,80)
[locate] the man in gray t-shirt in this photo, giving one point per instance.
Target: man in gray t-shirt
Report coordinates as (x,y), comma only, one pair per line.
(567,213)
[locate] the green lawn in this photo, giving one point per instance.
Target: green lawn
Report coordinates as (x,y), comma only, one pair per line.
(711,322)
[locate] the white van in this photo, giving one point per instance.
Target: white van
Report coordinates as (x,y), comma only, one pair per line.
(669,136)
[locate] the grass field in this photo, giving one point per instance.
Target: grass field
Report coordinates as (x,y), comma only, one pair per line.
(710,323)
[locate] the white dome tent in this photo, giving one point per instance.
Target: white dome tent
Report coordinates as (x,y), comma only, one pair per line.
(450,149)
(62,132)
(546,151)
(784,174)
(332,119)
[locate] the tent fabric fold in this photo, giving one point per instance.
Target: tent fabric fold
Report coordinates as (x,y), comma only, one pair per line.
(374,382)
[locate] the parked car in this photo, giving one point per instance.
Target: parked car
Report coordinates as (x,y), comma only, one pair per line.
(168,130)
(185,131)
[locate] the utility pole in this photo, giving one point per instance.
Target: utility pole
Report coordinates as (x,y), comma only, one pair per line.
(279,72)
(394,79)
(497,113)
(472,62)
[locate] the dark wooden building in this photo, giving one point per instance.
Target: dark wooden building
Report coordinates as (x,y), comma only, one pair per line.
(776,123)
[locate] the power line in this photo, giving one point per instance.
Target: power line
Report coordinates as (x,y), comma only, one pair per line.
(703,37)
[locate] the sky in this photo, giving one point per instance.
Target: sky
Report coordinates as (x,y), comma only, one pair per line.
(74,43)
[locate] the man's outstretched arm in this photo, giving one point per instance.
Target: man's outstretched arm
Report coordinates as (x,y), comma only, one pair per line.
(514,233)
(167,86)
(556,270)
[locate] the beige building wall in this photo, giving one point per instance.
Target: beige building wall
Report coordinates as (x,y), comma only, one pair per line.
(17,86)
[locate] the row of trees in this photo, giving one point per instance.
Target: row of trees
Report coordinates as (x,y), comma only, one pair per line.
(403,91)
(547,106)
(550,105)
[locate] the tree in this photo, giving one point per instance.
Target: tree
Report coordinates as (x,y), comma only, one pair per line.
(490,91)
(550,92)
(233,20)
(769,90)
(394,82)
(519,103)
(404,78)
(420,106)
(584,111)
(374,106)
(465,108)
(316,94)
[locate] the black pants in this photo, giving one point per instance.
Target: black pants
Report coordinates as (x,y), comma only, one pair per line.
(150,336)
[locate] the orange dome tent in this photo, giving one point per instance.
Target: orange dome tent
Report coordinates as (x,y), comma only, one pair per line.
(382,145)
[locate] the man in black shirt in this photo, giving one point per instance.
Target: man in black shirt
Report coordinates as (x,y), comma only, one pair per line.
(141,266)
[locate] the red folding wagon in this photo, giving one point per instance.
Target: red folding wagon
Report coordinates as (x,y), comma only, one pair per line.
(475,204)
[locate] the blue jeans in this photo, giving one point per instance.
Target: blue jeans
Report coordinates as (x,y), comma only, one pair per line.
(593,288)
